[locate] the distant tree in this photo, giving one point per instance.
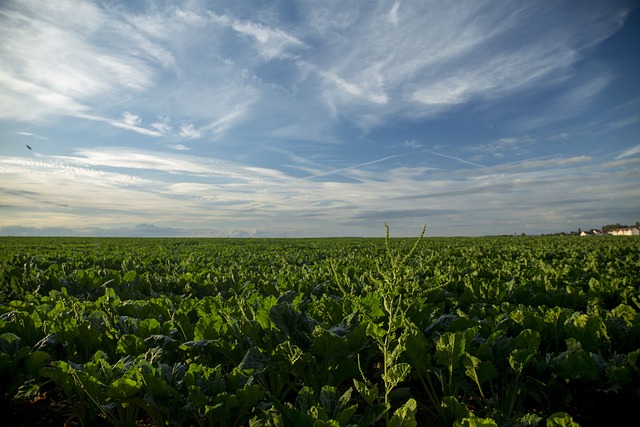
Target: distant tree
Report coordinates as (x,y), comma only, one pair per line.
(610,227)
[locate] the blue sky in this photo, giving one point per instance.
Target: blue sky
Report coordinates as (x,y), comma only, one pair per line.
(318,118)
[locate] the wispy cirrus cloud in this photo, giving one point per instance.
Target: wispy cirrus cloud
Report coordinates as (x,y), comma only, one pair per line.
(79,64)
(31,135)
(569,103)
(271,43)
(410,60)
(506,146)
(189,132)
(630,152)
(468,52)
(60,60)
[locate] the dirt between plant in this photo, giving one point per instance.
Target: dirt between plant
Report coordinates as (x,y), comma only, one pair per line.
(50,408)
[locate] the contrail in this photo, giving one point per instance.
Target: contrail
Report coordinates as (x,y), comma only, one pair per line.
(358,165)
(393,157)
(456,158)
(524,160)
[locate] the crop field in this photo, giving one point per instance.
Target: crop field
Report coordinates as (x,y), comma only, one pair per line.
(504,331)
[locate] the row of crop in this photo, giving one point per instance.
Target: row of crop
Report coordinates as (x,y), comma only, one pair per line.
(393,335)
(491,272)
(292,343)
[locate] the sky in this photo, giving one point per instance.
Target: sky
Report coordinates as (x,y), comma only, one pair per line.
(318,118)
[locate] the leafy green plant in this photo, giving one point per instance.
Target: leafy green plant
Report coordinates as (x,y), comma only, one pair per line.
(78,387)
(391,342)
(555,324)
(219,399)
(164,393)
(18,364)
(114,391)
(391,334)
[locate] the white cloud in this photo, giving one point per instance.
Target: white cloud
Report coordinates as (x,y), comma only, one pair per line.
(366,63)
(31,135)
(624,122)
(47,170)
(446,55)
(352,90)
(536,164)
(30,102)
(133,159)
(271,42)
(221,124)
(568,103)
(124,123)
(130,119)
(512,146)
(629,152)
(412,144)
(186,191)
(162,127)
(393,13)
(188,131)
(170,163)
(65,59)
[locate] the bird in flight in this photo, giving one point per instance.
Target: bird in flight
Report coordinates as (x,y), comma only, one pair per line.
(28,147)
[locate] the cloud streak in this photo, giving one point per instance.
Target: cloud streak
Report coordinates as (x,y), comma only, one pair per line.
(176,194)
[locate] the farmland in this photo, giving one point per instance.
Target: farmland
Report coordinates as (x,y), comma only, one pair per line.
(505,331)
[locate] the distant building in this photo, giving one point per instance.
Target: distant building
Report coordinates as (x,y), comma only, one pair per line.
(625,231)
(593,232)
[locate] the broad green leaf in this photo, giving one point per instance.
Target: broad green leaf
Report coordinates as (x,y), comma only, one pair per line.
(527,339)
(123,389)
(208,328)
(376,331)
(529,420)
(129,276)
(369,394)
(326,423)
(197,344)
(250,395)
(575,362)
(417,351)
(255,361)
(36,361)
(149,327)
(9,343)
(396,374)
(371,305)
(450,349)
(475,421)
(329,401)
(479,371)
(457,409)
(561,419)
(262,315)
(328,345)
(519,357)
(405,416)
(130,344)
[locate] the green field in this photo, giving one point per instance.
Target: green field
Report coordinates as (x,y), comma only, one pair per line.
(508,331)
